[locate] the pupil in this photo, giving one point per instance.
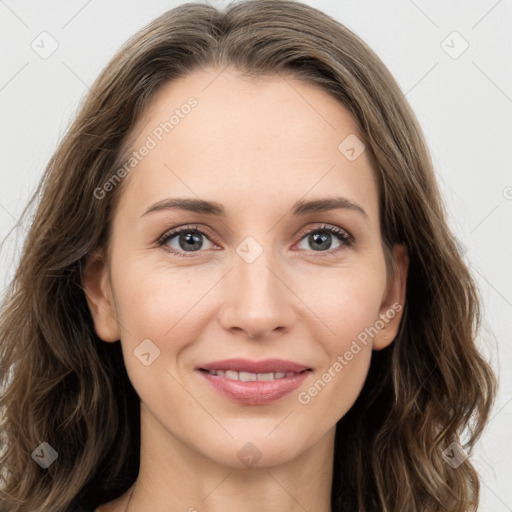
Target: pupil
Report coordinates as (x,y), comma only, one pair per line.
(324,240)
(190,241)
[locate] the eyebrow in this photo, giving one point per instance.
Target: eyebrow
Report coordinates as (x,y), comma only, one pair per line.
(299,208)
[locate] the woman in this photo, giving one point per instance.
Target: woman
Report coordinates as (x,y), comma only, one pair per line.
(239,288)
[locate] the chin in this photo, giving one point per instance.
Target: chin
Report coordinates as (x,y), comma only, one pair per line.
(257,451)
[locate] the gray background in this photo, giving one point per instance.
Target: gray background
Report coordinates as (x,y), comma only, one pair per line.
(464,105)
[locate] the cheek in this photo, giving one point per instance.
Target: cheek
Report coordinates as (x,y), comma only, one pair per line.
(168,308)
(163,303)
(348,307)
(346,302)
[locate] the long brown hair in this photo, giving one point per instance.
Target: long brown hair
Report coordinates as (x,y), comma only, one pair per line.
(62,385)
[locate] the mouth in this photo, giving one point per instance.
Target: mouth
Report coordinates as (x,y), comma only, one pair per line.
(254,382)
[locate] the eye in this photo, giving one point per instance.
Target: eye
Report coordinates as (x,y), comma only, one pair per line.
(321,237)
(188,239)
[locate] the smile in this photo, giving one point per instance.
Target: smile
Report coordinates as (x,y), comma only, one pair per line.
(253,388)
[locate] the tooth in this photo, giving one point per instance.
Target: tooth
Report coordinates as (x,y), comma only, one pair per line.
(249,377)
(246,376)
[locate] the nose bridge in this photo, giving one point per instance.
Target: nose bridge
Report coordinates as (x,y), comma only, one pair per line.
(253,270)
(255,279)
(255,298)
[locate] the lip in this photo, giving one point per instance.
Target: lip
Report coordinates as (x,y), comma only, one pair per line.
(246,365)
(255,392)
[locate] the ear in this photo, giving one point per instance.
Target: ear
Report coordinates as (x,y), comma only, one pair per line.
(393,301)
(98,292)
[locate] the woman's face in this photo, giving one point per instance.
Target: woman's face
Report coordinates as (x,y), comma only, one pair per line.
(248,283)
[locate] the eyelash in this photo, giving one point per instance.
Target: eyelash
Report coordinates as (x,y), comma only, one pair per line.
(339,233)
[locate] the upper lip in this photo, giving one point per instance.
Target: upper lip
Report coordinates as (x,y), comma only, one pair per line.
(263,366)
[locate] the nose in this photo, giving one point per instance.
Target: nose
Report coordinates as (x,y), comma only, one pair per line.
(257,302)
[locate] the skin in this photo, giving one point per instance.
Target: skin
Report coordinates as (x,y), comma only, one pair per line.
(256,148)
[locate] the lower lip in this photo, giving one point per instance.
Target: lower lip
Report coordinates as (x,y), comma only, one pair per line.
(255,392)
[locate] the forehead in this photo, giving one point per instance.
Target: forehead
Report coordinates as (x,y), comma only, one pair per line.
(216,135)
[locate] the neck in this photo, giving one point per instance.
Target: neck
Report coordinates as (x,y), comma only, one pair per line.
(173,476)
